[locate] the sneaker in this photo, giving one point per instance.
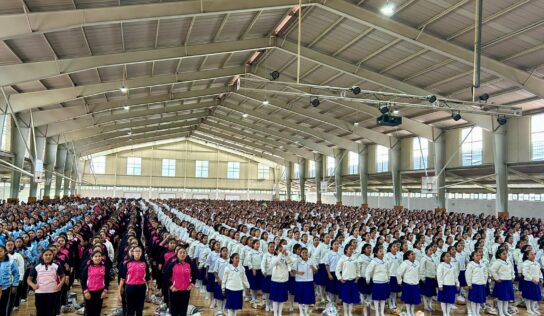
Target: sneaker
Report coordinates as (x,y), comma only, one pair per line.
(15,308)
(23,300)
(81,311)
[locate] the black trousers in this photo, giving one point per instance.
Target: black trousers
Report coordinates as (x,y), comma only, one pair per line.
(135,299)
(19,296)
(5,302)
(179,301)
(93,307)
(45,303)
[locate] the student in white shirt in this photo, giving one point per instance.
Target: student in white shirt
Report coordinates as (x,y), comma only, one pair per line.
(394,258)
(448,283)
(321,275)
(266,269)
(377,272)
(365,288)
(408,277)
(476,277)
(532,277)
(331,259)
(256,280)
(427,273)
(347,274)
(304,278)
(279,284)
(503,274)
(233,284)
(219,269)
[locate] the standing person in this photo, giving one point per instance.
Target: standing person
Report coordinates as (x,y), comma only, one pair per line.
(377,272)
(448,283)
(503,274)
(94,284)
(209,266)
(233,285)
(428,274)
(182,279)
(256,281)
(46,279)
(220,266)
(408,276)
(331,260)
(133,278)
(9,281)
(347,274)
(321,276)
(266,268)
(365,287)
(19,262)
(304,278)
(394,259)
(532,275)
(279,281)
(476,276)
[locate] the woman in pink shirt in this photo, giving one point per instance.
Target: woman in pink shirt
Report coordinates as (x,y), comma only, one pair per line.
(94,284)
(135,282)
(46,279)
(182,277)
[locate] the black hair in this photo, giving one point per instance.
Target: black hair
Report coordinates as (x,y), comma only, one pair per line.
(473,254)
(365,247)
(231,259)
(346,247)
(376,249)
(407,254)
(443,256)
(499,251)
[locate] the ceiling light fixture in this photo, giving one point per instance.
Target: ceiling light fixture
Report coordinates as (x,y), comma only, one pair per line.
(266,102)
(314,101)
(388,9)
(356,123)
(384,108)
(244,115)
(275,75)
(123,89)
(484,97)
(456,115)
(502,120)
(356,90)
(431,98)
(126,107)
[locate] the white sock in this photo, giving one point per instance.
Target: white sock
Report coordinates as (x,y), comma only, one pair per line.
(412,310)
(230,312)
(280,309)
(505,306)
(301,309)
(212,304)
(275,308)
(377,307)
(382,308)
(350,309)
(291,302)
(345,309)
(444,309)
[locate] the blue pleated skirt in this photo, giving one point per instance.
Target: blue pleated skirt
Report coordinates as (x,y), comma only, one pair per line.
(380,291)
(410,294)
(462,279)
(266,284)
(279,291)
(210,283)
(332,286)
(531,291)
(200,275)
(305,293)
(349,292)
(504,290)
(477,293)
(447,295)
(235,299)
(364,287)
(429,287)
(249,274)
(217,293)
(256,282)
(395,287)
(321,277)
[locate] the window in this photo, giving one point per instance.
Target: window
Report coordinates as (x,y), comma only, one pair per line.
(263,172)
(98,165)
(134,166)
(201,169)
(233,170)
(168,167)
(297,171)
(311,168)
(420,152)
(382,158)
(353,163)
(537,137)
(331,165)
(473,146)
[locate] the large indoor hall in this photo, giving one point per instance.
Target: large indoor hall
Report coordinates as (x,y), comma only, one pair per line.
(271,157)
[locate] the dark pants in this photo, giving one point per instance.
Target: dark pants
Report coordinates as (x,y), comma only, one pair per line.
(12,300)
(24,292)
(44,303)
(135,299)
(5,302)
(93,307)
(179,301)
(20,290)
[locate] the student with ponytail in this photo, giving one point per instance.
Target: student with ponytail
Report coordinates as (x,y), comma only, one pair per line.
(182,277)
(532,277)
(408,277)
(448,283)
(503,274)
(135,274)
(94,284)
(233,285)
(476,276)
(377,272)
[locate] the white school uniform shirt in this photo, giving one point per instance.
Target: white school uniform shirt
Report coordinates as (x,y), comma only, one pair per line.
(321,253)
(306,267)
(266,264)
(280,268)
(220,266)
(331,259)
(502,270)
(408,273)
(427,268)
(394,262)
(234,278)
(256,257)
(377,271)
(476,273)
(446,274)
(204,253)
(531,271)
(346,268)
(210,261)
(363,262)
(419,254)
(461,259)
(245,255)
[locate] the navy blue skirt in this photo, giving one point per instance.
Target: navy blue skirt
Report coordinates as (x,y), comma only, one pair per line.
(217,293)
(522,284)
(266,284)
(395,287)
(447,295)
(462,279)
(349,292)
(200,275)
(210,283)
(531,291)
(380,291)
(410,294)
(504,290)
(305,293)
(292,285)
(249,274)
(476,294)
(256,282)
(235,299)
(429,287)
(364,287)
(279,291)
(332,286)
(321,277)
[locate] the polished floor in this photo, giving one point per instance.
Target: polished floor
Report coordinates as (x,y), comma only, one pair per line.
(197,299)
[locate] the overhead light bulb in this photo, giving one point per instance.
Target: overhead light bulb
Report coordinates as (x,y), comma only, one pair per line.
(129,133)
(123,89)
(356,123)
(388,9)
(244,115)
(126,107)
(266,102)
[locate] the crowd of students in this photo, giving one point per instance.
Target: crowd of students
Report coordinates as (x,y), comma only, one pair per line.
(270,255)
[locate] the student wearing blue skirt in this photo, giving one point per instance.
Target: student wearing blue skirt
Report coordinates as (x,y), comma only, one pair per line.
(427,268)
(377,273)
(532,275)
(331,260)
(503,274)
(321,275)
(295,257)
(233,284)
(476,277)
(408,276)
(347,274)
(209,266)
(461,259)
(219,270)
(448,283)
(365,287)
(256,281)
(266,268)
(279,281)
(394,259)
(304,278)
